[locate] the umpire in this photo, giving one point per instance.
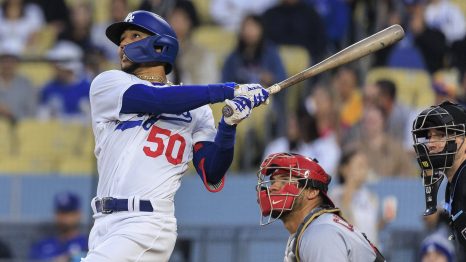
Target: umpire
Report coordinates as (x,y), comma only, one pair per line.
(439,136)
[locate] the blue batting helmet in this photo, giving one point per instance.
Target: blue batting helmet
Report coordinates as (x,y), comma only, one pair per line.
(143,51)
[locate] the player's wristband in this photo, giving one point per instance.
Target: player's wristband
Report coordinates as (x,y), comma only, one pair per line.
(220,92)
(225,137)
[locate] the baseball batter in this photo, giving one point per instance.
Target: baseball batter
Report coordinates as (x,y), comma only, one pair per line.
(146,132)
(293,188)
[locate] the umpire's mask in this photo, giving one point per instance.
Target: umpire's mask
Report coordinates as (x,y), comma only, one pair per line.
(435,132)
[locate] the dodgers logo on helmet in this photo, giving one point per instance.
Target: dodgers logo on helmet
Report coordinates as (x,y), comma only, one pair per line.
(163,37)
(129,18)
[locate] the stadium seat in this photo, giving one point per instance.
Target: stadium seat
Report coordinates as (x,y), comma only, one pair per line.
(77,165)
(45,39)
(24,164)
(49,138)
(216,39)
(36,138)
(101,12)
(295,58)
(414,87)
(203,10)
(38,72)
(448,81)
(461,4)
(6,137)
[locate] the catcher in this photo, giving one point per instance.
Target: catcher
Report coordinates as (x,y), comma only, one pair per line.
(439,135)
(293,188)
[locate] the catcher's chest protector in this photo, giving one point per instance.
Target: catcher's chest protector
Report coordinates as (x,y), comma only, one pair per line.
(315,213)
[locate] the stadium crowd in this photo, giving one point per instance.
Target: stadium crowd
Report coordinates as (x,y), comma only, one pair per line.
(361,112)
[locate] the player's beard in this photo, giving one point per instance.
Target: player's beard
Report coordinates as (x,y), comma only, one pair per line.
(131,68)
(279,214)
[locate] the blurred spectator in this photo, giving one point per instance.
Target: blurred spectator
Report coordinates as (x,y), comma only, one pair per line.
(66,96)
(370,95)
(18,98)
(78,30)
(184,20)
(387,157)
(437,248)
(56,13)
(446,17)
(336,16)
(430,42)
(293,22)
(67,244)
(256,60)
(323,148)
(118,11)
(437,225)
(348,96)
(458,55)
(95,62)
(461,95)
(445,84)
(303,138)
(231,13)
(5,252)
(321,104)
(399,116)
(292,142)
(160,7)
(20,23)
(358,203)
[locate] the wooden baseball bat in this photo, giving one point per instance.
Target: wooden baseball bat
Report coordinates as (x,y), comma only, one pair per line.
(366,46)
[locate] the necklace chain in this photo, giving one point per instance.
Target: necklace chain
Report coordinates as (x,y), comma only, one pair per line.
(158,79)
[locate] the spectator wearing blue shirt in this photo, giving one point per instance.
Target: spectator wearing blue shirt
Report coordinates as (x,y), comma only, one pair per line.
(256,60)
(336,17)
(68,244)
(66,96)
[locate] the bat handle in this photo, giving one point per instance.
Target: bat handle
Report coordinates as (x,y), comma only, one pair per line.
(227,111)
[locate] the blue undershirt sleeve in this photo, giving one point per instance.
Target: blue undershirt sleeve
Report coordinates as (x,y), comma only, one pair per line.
(141,98)
(212,159)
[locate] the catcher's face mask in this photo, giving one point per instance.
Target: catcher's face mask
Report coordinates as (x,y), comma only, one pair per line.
(282,178)
(435,136)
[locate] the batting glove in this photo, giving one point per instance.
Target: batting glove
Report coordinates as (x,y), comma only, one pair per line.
(241,106)
(255,92)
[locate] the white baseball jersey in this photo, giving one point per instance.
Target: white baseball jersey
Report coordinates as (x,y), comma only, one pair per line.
(142,155)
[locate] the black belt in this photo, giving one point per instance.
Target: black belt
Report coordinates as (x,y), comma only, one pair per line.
(108,205)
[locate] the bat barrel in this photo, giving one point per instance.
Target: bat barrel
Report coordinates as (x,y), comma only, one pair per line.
(355,51)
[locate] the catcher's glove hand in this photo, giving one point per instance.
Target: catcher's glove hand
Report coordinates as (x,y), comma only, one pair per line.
(241,106)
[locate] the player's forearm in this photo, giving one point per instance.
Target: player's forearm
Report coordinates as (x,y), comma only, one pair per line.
(173,100)
(212,159)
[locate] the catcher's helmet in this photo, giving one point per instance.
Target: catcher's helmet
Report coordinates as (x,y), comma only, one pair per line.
(434,133)
(301,172)
(143,51)
(447,118)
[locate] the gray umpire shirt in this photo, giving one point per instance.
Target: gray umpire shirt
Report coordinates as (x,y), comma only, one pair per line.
(329,238)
